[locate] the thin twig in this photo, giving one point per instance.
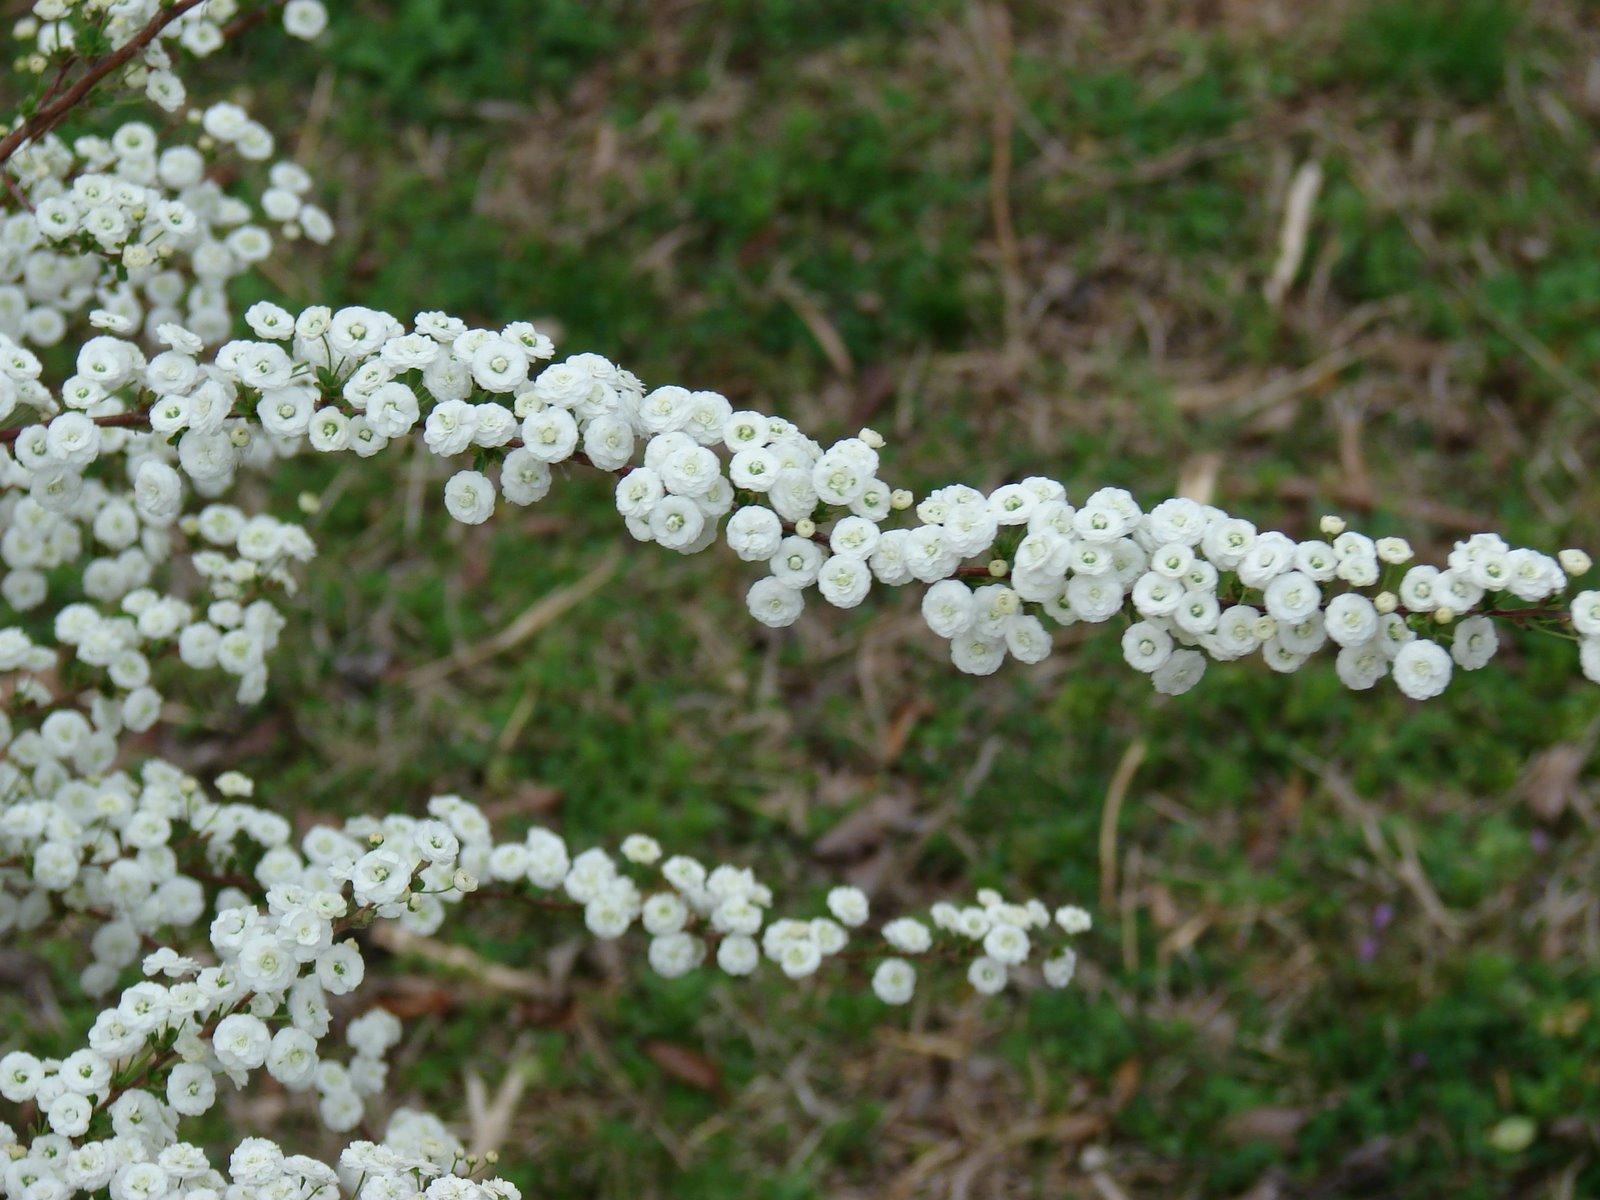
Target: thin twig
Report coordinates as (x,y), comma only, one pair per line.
(114,421)
(49,115)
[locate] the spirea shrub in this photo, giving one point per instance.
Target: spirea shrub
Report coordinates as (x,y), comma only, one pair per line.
(133,398)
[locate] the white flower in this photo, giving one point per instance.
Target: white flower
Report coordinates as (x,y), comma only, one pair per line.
(392,409)
(1419,590)
(948,607)
(854,536)
(241,1042)
(1351,619)
(1007,944)
(499,365)
(191,1089)
(676,954)
(609,914)
(1096,598)
(986,975)
(380,877)
(1073,920)
(664,913)
(677,522)
(1574,562)
(894,980)
(1586,614)
(975,654)
(844,580)
(292,1058)
(1027,639)
(1292,597)
(340,968)
(524,478)
(641,848)
(469,497)
(329,431)
(1360,667)
(744,430)
(799,957)
(754,533)
(690,471)
(157,492)
(608,442)
(849,905)
(797,562)
(1421,669)
(1058,971)
(638,492)
(738,954)
(754,469)
(1181,672)
(1589,658)
(20,1073)
(265,964)
(68,1114)
(451,426)
(1146,646)
(907,935)
(1475,643)
(774,603)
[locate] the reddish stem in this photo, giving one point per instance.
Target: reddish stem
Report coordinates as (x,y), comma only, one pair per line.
(114,421)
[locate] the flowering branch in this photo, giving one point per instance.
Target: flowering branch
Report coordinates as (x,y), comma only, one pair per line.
(52,111)
(120,546)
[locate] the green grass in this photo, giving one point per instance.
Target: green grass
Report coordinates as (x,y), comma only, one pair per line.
(711,193)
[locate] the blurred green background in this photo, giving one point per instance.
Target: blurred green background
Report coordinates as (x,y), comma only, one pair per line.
(1345,945)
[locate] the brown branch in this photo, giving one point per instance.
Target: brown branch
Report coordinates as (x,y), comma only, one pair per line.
(244,23)
(114,421)
(49,115)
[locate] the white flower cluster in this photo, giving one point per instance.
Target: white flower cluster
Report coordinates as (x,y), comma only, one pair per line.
(1188,581)
(56,28)
(138,232)
(117,849)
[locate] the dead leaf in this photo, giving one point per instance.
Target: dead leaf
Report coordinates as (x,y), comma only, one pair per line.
(865,829)
(410,998)
(528,800)
(685,1064)
(899,731)
(1197,480)
(490,1118)
(1125,1083)
(932,1045)
(482,971)
(1549,779)
(1164,910)
(1268,1123)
